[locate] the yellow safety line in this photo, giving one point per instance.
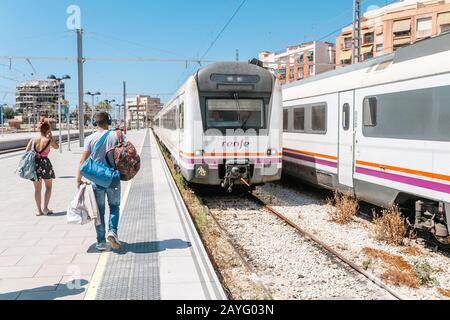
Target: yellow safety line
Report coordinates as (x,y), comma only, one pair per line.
(96,279)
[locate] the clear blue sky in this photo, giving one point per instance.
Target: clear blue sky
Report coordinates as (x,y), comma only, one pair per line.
(143,28)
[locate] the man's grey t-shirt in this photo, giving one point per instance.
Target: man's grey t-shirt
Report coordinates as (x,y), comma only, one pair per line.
(99,156)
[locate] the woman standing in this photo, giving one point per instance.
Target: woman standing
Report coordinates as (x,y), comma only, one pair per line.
(44,169)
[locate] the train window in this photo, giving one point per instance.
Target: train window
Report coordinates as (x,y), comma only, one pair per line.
(421,114)
(235,113)
(319,119)
(346,116)
(299,119)
(285,120)
(370,112)
(181,116)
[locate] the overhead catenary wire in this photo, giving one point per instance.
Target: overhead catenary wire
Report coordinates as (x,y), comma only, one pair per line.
(130,59)
(189,70)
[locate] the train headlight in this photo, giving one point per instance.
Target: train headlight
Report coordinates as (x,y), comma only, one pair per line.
(199,153)
(271,152)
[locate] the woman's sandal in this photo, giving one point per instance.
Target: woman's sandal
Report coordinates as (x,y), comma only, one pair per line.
(48,213)
(39,214)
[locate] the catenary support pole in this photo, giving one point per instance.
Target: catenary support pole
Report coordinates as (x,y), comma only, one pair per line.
(80,86)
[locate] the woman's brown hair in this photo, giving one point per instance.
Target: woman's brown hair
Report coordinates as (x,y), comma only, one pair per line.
(44,126)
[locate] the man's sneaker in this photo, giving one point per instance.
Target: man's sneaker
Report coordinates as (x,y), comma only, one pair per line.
(101,246)
(114,240)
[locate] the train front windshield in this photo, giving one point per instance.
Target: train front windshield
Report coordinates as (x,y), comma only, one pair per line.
(235,113)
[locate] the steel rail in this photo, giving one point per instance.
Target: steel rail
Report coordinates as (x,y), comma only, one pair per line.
(310,236)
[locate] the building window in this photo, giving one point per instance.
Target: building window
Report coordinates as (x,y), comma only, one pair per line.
(402,33)
(444,22)
(367,56)
(347,43)
(299,119)
(368,38)
(379,47)
(424,27)
(347,61)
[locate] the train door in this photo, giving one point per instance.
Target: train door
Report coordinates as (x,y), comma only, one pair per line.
(346,138)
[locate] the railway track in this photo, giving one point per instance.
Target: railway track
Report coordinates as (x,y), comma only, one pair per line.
(324,246)
(235,234)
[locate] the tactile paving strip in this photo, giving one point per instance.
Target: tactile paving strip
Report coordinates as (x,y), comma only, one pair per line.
(133,273)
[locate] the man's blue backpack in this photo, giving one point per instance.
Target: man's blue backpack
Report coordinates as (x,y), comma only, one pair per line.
(99,173)
(27,165)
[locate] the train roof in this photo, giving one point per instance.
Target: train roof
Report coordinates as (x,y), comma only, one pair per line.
(419,50)
(262,80)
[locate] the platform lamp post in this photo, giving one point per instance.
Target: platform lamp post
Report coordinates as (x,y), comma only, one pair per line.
(110,102)
(92,95)
(118,113)
(59,80)
(2,116)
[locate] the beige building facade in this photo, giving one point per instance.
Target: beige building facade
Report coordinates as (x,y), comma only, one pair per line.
(142,109)
(386,29)
(300,61)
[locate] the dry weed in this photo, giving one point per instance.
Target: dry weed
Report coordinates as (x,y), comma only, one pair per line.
(389,227)
(412,251)
(443,292)
(398,270)
(343,208)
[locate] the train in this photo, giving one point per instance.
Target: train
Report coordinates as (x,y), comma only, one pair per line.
(379,130)
(223,126)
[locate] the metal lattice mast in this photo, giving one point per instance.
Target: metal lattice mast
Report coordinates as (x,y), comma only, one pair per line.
(356,37)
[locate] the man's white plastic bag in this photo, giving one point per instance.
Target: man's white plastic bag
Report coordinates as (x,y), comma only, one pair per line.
(77,212)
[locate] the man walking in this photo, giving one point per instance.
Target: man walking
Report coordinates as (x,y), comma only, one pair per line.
(102,121)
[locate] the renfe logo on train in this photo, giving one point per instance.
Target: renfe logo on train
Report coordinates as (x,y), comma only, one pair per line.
(236,144)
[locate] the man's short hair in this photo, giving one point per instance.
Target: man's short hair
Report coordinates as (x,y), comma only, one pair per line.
(101,119)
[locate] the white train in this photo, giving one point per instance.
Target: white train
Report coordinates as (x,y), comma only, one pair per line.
(380,130)
(223,126)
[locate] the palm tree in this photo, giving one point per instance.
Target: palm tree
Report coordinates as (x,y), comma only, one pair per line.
(103,106)
(49,110)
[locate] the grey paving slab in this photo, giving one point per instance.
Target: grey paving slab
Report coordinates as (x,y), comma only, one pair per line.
(61,249)
(183,291)
(43,259)
(85,258)
(18,250)
(38,235)
(62,270)
(178,270)
(34,284)
(21,242)
(8,261)
(67,241)
(18,272)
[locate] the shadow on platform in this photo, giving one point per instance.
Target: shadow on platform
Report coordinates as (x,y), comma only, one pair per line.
(48,292)
(148,247)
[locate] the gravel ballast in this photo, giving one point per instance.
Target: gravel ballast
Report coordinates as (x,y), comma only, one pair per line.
(310,211)
(289,265)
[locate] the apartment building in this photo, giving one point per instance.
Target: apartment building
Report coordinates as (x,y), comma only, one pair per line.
(386,29)
(142,109)
(37,97)
(300,61)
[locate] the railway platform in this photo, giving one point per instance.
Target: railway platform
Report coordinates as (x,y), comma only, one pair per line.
(44,258)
